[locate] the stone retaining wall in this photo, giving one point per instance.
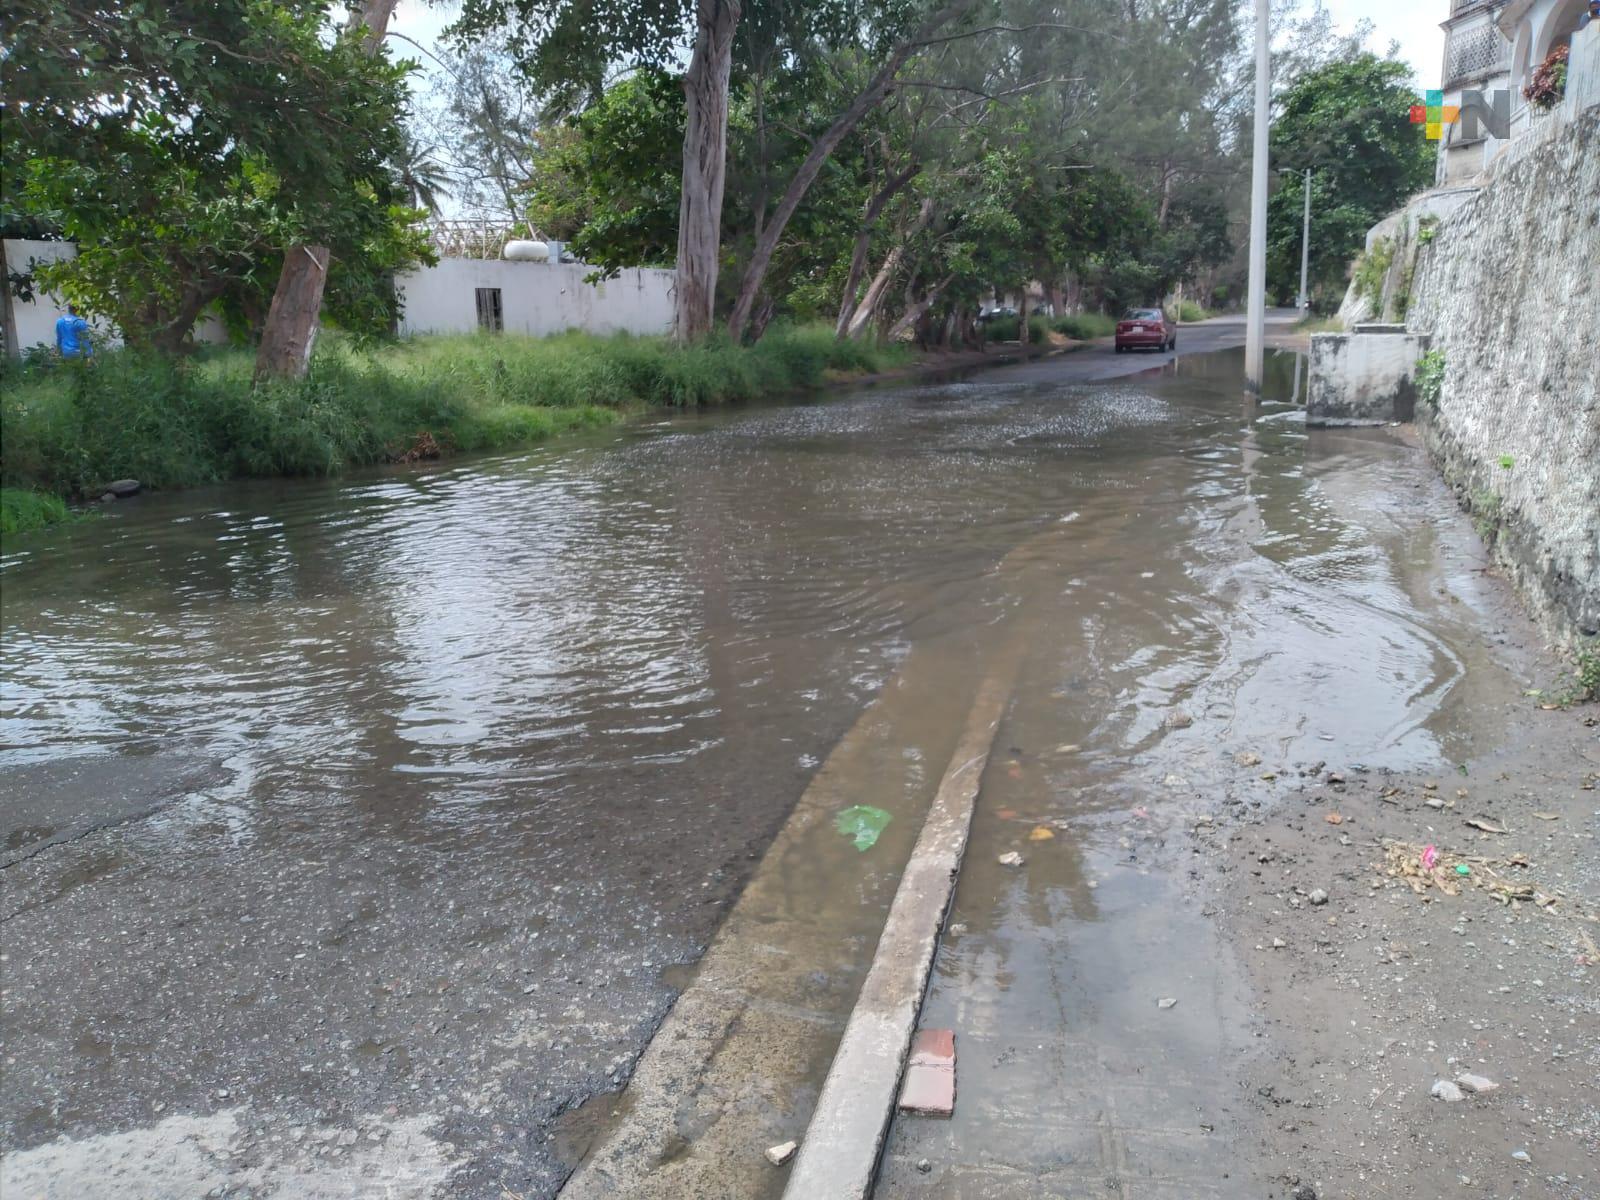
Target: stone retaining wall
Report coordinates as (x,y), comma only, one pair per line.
(1509,291)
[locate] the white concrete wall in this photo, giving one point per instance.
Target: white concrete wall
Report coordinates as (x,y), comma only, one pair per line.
(36,318)
(1363,378)
(536,298)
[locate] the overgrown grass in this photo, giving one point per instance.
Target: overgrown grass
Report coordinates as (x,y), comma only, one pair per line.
(69,429)
(22,511)
(1085,326)
(1190,311)
(1319,325)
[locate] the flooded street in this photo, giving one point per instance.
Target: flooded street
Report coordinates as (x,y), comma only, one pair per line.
(356,831)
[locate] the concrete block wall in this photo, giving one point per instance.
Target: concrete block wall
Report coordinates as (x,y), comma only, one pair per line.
(1365,377)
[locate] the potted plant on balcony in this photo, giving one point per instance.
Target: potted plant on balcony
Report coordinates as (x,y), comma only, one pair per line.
(1549,82)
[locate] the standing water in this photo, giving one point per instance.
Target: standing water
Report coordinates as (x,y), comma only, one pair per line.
(356,830)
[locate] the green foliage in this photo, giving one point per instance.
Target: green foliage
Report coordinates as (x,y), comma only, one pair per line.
(1372,268)
(1585,674)
(1507,462)
(1190,311)
(1349,122)
(1086,326)
(23,511)
(608,180)
(238,127)
(1427,229)
(1488,508)
(1430,377)
(172,423)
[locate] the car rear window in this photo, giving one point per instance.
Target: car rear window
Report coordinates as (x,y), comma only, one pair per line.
(1142,314)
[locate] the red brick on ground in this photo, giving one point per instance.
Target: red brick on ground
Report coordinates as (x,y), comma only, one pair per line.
(929,1089)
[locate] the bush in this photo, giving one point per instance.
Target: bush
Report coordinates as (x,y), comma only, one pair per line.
(1372,268)
(22,510)
(1085,327)
(68,428)
(1190,311)
(1430,377)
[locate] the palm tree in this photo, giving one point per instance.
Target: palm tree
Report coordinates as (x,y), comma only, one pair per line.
(423,177)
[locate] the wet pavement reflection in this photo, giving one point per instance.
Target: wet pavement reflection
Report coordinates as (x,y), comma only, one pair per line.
(408,797)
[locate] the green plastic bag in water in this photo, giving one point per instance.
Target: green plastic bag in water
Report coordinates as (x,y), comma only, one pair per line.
(863,823)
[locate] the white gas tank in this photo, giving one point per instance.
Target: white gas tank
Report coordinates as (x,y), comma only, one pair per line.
(525,251)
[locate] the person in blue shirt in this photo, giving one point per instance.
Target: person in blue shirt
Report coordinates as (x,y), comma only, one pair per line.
(72,335)
(1592,15)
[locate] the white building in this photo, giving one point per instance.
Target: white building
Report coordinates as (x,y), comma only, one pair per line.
(1493,48)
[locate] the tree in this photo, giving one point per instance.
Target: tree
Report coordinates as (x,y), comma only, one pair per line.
(1349,122)
(177,141)
(608,180)
(565,48)
(290,332)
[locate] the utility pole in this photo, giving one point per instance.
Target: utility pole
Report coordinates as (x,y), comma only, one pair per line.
(1305,254)
(1256,311)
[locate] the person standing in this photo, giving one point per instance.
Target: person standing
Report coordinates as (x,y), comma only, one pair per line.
(72,335)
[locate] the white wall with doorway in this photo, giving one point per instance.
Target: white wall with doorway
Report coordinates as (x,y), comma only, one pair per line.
(537,298)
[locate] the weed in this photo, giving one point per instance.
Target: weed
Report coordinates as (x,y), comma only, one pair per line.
(1427,229)
(1190,311)
(1372,268)
(1430,377)
(1085,327)
(1488,508)
(1507,462)
(22,511)
(70,428)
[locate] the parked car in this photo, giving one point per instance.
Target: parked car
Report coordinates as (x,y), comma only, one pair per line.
(995,314)
(1146,329)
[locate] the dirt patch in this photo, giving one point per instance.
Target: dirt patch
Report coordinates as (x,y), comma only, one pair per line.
(1379,976)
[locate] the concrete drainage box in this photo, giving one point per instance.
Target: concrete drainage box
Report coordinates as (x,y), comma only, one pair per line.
(1367,377)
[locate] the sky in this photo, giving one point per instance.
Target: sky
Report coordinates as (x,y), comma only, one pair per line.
(1412,23)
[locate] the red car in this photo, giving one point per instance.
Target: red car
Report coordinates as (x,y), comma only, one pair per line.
(1146,329)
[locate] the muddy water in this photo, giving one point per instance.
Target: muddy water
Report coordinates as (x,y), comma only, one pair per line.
(366,825)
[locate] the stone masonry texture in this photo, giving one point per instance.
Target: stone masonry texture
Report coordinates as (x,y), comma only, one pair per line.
(1509,289)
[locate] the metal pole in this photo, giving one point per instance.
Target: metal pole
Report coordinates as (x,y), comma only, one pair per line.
(1305,254)
(1256,312)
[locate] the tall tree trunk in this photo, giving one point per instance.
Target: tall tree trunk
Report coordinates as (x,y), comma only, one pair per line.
(858,258)
(705,166)
(13,344)
(822,149)
(291,330)
(879,286)
(914,314)
(1022,316)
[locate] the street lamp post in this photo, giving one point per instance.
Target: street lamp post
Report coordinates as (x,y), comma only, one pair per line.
(1303,301)
(1256,309)
(1305,254)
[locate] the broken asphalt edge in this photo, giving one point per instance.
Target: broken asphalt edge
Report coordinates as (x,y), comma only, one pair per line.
(839,1155)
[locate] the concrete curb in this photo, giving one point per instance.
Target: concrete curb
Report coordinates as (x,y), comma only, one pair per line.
(839,1156)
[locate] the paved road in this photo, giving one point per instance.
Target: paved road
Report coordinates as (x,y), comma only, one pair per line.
(1100,361)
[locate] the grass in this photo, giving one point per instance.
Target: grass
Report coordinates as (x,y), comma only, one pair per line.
(1372,268)
(1319,325)
(1190,311)
(68,429)
(23,511)
(1084,327)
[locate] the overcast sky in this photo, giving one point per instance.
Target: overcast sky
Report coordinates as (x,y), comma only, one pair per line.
(1412,23)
